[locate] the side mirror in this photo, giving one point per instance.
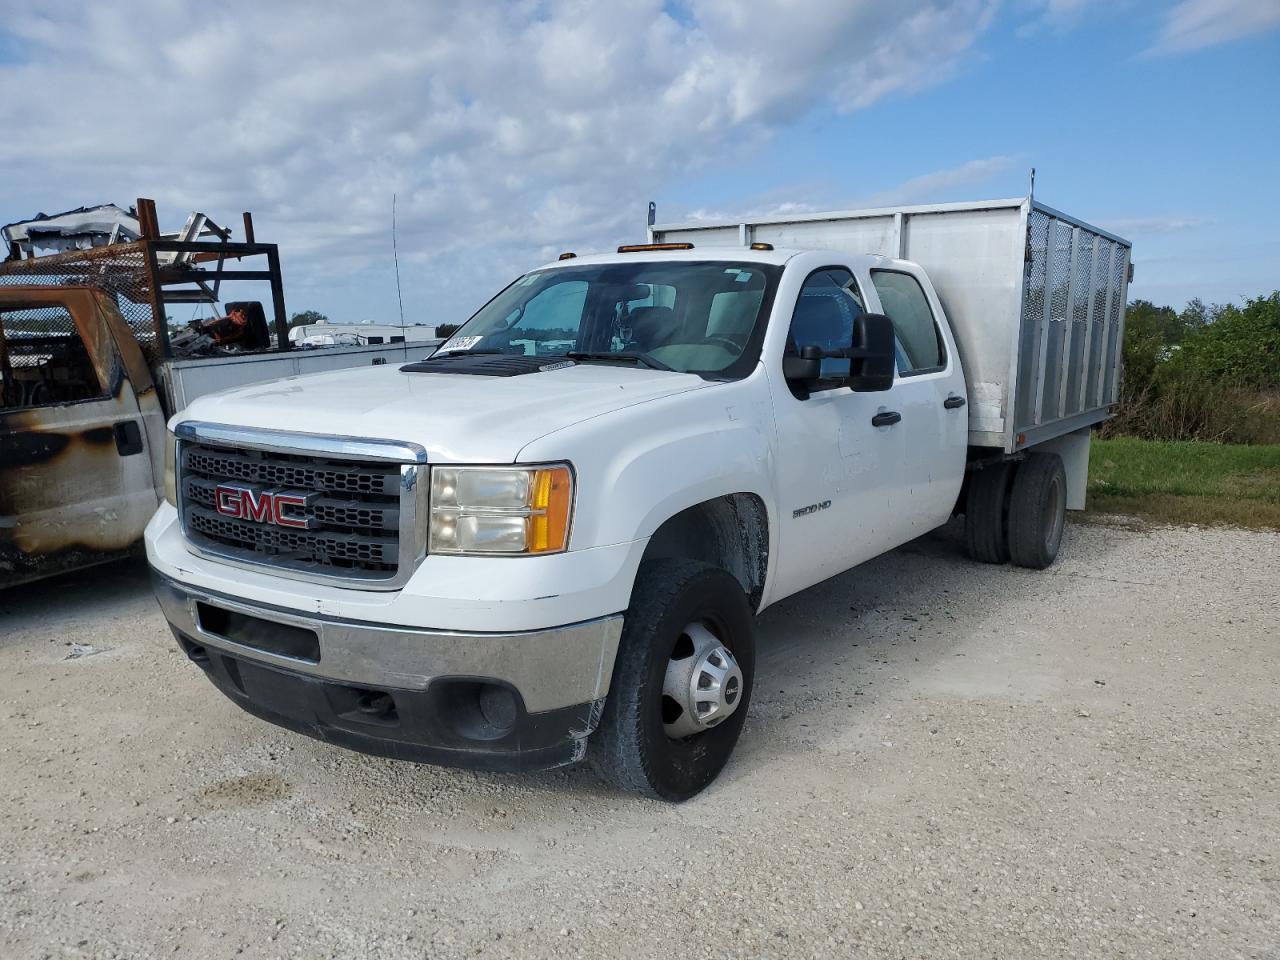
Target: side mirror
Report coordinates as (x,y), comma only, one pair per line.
(872,358)
(873,354)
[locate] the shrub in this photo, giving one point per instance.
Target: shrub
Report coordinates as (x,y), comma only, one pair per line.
(1209,373)
(1240,348)
(1208,412)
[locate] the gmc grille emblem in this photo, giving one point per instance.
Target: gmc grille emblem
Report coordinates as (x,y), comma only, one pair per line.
(284,508)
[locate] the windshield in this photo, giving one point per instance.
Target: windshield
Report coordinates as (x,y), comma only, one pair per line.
(692,317)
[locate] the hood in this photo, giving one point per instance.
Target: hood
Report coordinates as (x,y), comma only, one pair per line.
(458,418)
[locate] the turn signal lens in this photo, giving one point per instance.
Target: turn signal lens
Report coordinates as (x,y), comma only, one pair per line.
(552,501)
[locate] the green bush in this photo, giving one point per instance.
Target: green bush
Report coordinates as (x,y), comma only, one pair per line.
(1239,348)
(1209,373)
(1148,333)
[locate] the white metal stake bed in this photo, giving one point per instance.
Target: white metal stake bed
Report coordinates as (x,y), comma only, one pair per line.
(1034,297)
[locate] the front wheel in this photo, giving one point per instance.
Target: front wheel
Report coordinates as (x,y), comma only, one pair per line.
(681,681)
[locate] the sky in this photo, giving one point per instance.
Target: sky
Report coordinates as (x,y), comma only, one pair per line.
(509,132)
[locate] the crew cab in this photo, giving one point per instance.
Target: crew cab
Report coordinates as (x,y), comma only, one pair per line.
(547,541)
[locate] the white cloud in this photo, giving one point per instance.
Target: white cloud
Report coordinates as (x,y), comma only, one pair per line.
(1060,11)
(1193,24)
(1139,226)
(930,186)
(507,130)
(935,185)
(1058,15)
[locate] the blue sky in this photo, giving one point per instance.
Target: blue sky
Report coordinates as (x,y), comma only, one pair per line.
(1154,119)
(1179,153)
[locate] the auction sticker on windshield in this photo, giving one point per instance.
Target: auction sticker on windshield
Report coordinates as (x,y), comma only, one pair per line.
(460,343)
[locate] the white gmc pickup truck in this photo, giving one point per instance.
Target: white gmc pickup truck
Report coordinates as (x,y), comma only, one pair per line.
(548,540)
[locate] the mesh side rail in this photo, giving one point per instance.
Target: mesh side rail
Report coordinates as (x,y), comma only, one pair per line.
(122,275)
(1072,305)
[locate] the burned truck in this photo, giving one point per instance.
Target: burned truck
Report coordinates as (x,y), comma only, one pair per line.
(91,366)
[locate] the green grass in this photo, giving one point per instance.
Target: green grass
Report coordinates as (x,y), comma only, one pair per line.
(1186,481)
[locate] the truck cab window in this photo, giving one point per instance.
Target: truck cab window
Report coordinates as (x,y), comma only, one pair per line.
(828,303)
(548,322)
(43,360)
(733,313)
(919,340)
(702,317)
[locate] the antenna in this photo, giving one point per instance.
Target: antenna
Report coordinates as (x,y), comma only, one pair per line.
(395,253)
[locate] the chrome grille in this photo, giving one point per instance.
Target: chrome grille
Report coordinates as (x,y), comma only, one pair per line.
(296,473)
(361,516)
(338,549)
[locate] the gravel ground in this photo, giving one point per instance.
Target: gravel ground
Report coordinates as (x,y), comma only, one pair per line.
(942,760)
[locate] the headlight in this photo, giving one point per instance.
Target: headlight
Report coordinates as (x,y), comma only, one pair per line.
(501,510)
(170,468)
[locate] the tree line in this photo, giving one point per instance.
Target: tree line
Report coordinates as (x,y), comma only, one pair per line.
(1207,372)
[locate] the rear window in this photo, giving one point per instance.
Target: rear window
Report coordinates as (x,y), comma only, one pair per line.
(904,302)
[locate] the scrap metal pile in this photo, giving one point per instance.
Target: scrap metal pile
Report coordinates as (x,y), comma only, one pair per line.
(124,254)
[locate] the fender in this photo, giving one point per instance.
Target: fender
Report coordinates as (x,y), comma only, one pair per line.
(642,465)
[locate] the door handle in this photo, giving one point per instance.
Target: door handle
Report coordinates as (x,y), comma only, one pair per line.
(128,438)
(951,403)
(886,419)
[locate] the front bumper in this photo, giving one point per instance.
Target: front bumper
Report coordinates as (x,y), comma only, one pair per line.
(509,701)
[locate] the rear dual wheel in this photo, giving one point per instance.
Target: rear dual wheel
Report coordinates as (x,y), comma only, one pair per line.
(681,682)
(1017,511)
(986,529)
(1037,511)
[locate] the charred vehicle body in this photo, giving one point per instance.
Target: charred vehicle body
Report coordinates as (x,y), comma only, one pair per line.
(90,368)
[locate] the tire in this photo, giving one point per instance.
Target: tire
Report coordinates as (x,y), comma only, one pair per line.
(985,513)
(631,748)
(1037,510)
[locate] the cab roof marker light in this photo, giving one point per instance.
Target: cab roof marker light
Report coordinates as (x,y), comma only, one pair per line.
(645,247)
(567,255)
(760,245)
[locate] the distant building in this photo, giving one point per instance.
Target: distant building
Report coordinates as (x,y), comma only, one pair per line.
(357,334)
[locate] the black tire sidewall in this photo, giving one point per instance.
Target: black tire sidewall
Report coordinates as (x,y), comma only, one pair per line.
(670,595)
(1033,487)
(686,766)
(985,520)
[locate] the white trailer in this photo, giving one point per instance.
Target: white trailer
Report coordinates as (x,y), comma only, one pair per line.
(1035,298)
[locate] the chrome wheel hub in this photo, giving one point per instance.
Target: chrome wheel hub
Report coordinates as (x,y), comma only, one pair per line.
(703,684)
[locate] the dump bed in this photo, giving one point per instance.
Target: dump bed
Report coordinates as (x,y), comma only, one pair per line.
(1035,299)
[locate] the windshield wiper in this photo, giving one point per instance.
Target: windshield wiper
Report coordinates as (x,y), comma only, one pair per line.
(643,359)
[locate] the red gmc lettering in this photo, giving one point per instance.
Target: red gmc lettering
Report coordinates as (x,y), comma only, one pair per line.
(262,506)
(283,500)
(257,507)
